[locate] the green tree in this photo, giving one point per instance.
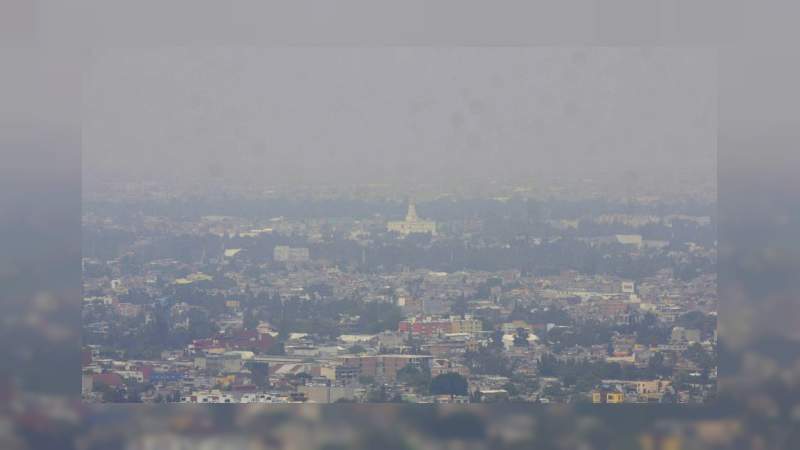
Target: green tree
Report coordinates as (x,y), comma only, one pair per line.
(553,390)
(521,338)
(419,379)
(488,361)
(699,356)
(356,349)
(449,384)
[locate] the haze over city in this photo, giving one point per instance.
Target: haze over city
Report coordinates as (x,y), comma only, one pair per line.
(322,115)
(417,225)
(271,203)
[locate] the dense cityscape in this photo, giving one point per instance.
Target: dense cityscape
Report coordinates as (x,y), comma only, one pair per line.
(569,294)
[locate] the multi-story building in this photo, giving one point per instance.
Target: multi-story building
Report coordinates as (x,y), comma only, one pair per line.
(284,253)
(424,327)
(441,366)
(607,394)
(320,393)
(681,335)
(465,325)
(431,326)
(386,366)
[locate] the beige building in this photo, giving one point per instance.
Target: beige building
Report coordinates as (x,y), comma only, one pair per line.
(441,366)
(326,394)
(412,224)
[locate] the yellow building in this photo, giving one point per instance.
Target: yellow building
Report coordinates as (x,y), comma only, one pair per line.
(465,326)
(225,381)
(327,371)
(606,395)
(232,304)
(645,387)
(615,397)
(649,442)
(193,278)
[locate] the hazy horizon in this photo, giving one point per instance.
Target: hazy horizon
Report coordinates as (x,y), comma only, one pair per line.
(398,115)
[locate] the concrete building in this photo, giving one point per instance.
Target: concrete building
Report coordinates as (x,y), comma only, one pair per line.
(629,239)
(386,366)
(284,253)
(326,394)
(682,335)
(441,366)
(607,394)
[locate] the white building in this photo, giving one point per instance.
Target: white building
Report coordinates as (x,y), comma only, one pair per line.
(628,287)
(283,253)
(412,223)
(630,239)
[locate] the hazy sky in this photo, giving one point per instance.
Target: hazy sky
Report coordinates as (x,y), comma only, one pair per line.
(344,115)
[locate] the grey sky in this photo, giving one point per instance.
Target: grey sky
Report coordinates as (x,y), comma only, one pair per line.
(343,115)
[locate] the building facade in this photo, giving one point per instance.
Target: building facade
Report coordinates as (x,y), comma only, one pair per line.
(412,224)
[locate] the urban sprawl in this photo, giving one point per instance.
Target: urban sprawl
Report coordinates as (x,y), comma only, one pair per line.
(288,297)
